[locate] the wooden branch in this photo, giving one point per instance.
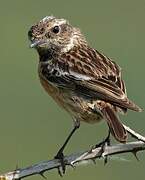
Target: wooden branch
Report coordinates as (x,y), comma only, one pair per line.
(74,159)
(77,158)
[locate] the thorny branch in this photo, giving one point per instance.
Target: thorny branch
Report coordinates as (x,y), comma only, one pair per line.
(77,158)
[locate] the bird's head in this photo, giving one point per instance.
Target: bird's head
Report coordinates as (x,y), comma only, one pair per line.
(54,34)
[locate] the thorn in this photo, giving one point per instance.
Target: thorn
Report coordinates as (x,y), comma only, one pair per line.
(105,160)
(73,166)
(94,161)
(91,150)
(16,167)
(135,155)
(42,175)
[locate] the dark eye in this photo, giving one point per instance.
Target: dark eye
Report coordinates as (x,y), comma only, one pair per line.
(56,29)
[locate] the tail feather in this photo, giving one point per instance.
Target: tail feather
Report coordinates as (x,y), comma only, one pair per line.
(127,104)
(116,127)
(131,105)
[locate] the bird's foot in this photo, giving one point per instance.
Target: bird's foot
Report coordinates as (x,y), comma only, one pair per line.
(106,141)
(103,144)
(62,168)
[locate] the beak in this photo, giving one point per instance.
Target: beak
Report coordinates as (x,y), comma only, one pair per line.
(38,43)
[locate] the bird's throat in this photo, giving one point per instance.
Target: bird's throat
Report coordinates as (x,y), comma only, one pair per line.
(46,55)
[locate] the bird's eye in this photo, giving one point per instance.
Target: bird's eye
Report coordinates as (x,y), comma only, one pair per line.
(56,29)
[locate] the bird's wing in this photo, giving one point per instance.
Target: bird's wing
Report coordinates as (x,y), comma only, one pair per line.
(92,75)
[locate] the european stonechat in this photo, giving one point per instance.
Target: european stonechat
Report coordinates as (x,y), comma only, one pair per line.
(83,81)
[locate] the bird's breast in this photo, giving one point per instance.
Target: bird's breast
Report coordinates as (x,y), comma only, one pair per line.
(75,106)
(78,107)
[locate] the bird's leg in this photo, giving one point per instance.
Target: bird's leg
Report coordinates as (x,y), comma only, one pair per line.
(60,154)
(105,141)
(102,144)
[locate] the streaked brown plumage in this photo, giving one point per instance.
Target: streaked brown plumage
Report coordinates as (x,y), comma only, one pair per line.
(83,81)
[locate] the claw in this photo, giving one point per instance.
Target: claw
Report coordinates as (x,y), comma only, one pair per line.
(103,144)
(60,157)
(106,141)
(60,172)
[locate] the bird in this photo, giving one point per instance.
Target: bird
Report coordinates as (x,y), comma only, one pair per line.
(83,81)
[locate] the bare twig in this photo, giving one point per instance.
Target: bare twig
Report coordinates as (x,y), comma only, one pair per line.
(74,159)
(77,158)
(134,134)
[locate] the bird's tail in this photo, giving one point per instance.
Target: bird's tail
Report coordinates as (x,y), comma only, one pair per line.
(116,127)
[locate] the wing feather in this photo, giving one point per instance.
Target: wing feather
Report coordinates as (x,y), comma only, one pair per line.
(92,75)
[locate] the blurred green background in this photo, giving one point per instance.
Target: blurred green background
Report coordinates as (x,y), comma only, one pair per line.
(32,126)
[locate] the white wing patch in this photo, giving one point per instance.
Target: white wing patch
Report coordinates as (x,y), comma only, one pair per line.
(80,76)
